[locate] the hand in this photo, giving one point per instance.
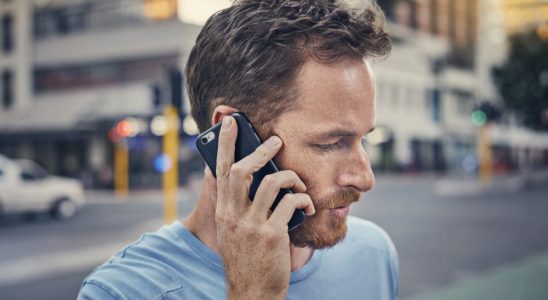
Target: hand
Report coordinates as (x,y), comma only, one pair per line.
(253,243)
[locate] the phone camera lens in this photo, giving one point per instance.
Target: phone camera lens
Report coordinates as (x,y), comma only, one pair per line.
(206,139)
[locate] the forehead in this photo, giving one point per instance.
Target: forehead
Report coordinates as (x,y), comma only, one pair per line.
(333,96)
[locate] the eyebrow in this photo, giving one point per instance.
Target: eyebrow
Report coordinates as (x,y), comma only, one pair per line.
(339,133)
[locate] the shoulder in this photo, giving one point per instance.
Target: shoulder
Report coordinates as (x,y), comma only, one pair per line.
(140,270)
(370,248)
(364,233)
(368,240)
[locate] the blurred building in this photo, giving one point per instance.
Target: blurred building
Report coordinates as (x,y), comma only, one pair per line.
(438,72)
(72,68)
(69,69)
(521,15)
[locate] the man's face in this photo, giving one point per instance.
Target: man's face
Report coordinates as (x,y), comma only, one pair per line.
(322,144)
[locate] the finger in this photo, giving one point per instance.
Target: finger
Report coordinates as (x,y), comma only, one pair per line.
(284,211)
(256,160)
(225,155)
(241,172)
(270,187)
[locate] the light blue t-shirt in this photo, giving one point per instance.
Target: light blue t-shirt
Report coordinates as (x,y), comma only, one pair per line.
(172,263)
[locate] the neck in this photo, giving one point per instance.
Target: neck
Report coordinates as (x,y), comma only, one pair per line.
(201,222)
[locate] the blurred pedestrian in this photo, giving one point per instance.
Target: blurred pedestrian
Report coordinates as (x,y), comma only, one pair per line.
(300,70)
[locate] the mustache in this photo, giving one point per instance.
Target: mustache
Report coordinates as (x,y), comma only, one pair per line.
(337,199)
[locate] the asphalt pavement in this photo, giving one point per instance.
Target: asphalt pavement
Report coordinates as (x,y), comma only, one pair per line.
(451,245)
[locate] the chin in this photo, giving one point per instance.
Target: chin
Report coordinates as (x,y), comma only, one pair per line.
(319,231)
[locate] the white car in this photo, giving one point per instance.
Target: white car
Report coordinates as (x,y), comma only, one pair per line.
(26,187)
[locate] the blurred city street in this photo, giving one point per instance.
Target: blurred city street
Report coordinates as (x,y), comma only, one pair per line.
(446,243)
(97,122)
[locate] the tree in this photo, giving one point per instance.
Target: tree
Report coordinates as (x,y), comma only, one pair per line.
(522,81)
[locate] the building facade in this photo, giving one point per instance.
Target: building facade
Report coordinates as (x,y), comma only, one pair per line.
(69,69)
(437,74)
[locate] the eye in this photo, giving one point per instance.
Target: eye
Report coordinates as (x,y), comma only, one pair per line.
(329,147)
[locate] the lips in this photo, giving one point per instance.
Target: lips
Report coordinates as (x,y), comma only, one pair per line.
(340,211)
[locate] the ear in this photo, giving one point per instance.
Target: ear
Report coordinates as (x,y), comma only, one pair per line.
(220,112)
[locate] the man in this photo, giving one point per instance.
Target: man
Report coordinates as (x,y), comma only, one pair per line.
(300,71)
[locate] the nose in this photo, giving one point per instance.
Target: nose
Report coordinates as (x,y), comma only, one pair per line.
(356,171)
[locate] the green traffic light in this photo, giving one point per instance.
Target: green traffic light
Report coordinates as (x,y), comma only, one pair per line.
(478,118)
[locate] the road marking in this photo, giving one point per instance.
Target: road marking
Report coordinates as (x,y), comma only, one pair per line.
(37,267)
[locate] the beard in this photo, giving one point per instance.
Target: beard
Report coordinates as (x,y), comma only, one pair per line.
(323,230)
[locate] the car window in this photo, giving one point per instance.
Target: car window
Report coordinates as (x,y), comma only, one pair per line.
(26,176)
(32,172)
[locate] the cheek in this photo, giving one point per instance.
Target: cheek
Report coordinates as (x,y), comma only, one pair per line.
(313,169)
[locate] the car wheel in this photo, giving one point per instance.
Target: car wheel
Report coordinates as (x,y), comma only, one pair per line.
(64,209)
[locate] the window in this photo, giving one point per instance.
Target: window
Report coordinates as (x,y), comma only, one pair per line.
(453,20)
(6,89)
(79,16)
(463,99)
(435,105)
(7,33)
(414,14)
(104,74)
(31,172)
(434,16)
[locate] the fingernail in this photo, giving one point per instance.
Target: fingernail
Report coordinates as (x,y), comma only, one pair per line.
(227,122)
(273,142)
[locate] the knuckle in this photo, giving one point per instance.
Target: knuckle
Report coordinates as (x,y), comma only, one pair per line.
(249,228)
(222,169)
(262,153)
(271,180)
(297,200)
(289,197)
(292,173)
(305,197)
(237,169)
(271,236)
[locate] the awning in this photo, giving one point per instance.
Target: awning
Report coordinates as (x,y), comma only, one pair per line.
(77,110)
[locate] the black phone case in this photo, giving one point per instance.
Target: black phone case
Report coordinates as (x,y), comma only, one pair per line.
(246,142)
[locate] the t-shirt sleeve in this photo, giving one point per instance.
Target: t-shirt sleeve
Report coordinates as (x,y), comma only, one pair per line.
(93,291)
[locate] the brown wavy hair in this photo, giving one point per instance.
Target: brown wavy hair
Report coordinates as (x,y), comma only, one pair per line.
(247,56)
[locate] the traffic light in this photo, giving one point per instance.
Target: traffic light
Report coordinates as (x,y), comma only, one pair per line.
(156,97)
(483,113)
(125,128)
(176,89)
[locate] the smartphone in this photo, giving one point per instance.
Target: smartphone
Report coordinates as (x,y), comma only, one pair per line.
(247,141)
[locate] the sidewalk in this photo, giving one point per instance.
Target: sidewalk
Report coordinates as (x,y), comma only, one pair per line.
(508,184)
(525,280)
(31,268)
(137,196)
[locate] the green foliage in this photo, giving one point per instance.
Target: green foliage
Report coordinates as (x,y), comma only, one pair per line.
(523,79)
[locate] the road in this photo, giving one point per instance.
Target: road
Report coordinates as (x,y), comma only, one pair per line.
(446,244)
